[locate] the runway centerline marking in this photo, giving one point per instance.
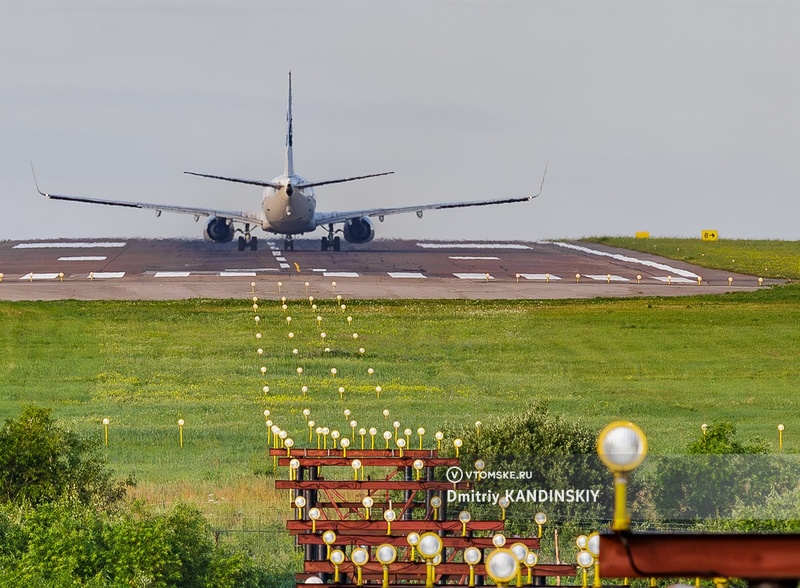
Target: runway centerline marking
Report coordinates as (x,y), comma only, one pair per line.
(470,257)
(84,258)
(472,246)
(66,245)
(626,258)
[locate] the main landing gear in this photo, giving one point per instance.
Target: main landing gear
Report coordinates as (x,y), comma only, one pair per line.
(288,243)
(330,241)
(247,241)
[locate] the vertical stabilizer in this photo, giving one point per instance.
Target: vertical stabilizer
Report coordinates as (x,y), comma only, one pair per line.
(289,170)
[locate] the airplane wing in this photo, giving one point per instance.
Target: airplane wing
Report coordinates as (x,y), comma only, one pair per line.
(325,218)
(245,217)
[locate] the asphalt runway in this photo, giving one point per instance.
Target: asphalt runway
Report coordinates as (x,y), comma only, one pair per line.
(139,269)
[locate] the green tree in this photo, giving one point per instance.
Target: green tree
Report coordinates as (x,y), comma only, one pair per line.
(41,462)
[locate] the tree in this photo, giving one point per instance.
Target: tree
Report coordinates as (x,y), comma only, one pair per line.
(40,462)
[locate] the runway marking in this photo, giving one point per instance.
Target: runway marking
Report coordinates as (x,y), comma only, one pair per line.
(472,246)
(258,269)
(280,258)
(626,258)
(276,252)
(319,270)
(601,278)
(471,257)
(340,274)
(472,276)
(33,276)
(285,266)
(404,275)
(543,277)
(106,275)
(674,280)
(84,258)
(227,274)
(171,274)
(65,245)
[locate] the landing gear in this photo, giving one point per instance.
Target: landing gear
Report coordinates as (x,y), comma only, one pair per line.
(247,241)
(288,244)
(330,241)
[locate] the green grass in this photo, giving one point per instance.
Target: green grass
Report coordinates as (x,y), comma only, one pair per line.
(768,259)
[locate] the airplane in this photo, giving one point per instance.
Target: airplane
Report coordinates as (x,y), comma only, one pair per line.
(288,207)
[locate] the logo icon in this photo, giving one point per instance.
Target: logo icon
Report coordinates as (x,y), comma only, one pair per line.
(454,474)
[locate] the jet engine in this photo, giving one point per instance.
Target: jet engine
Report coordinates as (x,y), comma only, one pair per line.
(218,230)
(359,230)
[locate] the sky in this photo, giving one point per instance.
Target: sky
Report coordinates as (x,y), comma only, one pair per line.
(671,117)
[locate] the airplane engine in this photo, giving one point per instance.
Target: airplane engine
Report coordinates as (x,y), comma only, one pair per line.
(218,230)
(359,230)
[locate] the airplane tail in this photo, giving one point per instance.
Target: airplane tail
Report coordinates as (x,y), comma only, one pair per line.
(289,169)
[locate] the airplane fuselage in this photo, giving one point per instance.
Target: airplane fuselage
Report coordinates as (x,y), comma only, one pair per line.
(289,210)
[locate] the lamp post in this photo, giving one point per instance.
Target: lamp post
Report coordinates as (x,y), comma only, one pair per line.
(329,538)
(181,422)
(464,517)
(430,545)
(421,433)
(386,554)
(520,551)
(337,559)
(356,465)
(389,516)
(540,519)
(622,447)
(501,566)
(106,421)
(585,561)
(593,547)
(359,556)
(780,438)
(367,503)
(413,540)
(530,562)
(472,556)
(457,443)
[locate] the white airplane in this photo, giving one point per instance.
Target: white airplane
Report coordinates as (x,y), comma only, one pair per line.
(288,207)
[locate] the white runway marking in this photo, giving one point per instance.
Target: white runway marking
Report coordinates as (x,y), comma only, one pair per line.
(106,275)
(472,276)
(280,258)
(404,275)
(276,252)
(626,258)
(319,270)
(227,274)
(543,277)
(84,258)
(675,280)
(472,246)
(470,257)
(257,269)
(601,278)
(65,245)
(340,274)
(33,276)
(285,266)
(172,274)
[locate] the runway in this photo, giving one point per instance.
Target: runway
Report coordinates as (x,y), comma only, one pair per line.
(139,269)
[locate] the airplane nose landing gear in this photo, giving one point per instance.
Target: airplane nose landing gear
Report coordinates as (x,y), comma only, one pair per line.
(247,241)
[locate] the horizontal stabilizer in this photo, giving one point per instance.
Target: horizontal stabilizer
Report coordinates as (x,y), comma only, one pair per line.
(340,181)
(237,180)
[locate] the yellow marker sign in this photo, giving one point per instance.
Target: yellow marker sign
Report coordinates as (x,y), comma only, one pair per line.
(642,234)
(710,235)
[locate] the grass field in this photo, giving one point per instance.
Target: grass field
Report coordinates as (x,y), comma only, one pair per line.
(667,364)
(768,259)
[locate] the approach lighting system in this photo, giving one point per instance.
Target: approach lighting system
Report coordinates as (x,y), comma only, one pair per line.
(359,556)
(501,566)
(622,447)
(540,519)
(430,546)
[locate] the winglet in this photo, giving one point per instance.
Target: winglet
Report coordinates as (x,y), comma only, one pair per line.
(37,183)
(541,186)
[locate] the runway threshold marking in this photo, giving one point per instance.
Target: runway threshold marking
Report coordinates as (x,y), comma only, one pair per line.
(625,258)
(542,277)
(605,278)
(407,275)
(68,245)
(34,276)
(469,276)
(172,274)
(105,275)
(472,246)
(84,258)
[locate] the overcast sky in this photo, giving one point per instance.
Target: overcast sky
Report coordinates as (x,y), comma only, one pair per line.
(669,117)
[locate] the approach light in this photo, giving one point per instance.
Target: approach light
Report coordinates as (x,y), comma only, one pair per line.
(501,566)
(386,554)
(622,447)
(359,556)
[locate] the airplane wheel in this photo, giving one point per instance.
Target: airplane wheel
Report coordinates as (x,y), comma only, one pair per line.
(240,244)
(324,244)
(337,243)
(253,243)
